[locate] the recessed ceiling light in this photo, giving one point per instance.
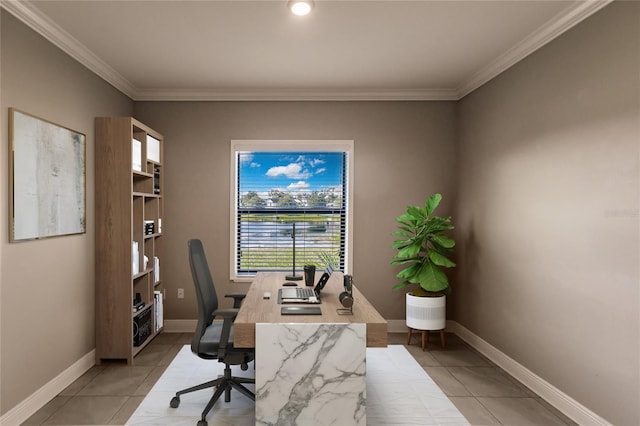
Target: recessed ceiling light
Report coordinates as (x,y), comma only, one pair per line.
(300,7)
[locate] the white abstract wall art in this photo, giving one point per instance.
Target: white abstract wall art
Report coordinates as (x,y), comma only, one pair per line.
(47,178)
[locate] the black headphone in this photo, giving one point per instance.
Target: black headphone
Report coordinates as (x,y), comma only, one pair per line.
(346,297)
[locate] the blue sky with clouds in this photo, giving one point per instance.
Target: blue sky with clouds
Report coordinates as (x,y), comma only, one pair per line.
(289,171)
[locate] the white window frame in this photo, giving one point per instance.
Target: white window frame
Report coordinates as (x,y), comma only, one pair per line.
(288,145)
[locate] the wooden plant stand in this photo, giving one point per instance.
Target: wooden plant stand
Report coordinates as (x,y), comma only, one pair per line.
(425,337)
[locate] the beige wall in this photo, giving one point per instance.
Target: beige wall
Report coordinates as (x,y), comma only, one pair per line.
(403,152)
(543,184)
(548,213)
(47,292)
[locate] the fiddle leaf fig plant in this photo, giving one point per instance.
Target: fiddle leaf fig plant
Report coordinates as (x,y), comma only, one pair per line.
(423,248)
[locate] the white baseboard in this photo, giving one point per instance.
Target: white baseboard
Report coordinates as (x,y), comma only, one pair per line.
(554,396)
(400,326)
(46,393)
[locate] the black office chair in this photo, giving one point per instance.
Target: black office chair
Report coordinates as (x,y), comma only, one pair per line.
(214,340)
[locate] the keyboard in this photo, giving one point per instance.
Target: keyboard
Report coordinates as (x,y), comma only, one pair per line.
(300,310)
(297,293)
(304,293)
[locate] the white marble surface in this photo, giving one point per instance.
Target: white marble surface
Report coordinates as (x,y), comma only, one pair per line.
(399,392)
(311,374)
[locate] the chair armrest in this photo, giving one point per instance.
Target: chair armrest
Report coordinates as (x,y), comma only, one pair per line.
(228,315)
(237,298)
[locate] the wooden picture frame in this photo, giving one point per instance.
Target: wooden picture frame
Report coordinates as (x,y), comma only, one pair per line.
(47,178)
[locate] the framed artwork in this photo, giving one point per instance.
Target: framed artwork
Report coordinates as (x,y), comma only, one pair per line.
(46,178)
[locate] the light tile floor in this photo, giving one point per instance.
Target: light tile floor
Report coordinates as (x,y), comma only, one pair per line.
(486,395)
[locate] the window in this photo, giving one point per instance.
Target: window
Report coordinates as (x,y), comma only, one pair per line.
(286,193)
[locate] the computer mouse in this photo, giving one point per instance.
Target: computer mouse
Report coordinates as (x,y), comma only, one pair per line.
(290,284)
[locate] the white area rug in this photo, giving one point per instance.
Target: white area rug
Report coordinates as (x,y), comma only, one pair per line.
(399,392)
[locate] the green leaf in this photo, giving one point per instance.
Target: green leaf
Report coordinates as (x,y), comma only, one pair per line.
(405,230)
(409,273)
(443,241)
(440,250)
(409,251)
(416,214)
(431,278)
(432,203)
(398,244)
(401,285)
(396,261)
(404,218)
(439,224)
(440,260)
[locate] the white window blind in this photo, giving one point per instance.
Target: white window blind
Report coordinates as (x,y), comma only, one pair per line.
(288,193)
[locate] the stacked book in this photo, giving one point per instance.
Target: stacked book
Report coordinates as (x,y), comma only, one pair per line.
(157,300)
(156,180)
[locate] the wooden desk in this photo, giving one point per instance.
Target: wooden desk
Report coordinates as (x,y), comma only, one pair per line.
(255,309)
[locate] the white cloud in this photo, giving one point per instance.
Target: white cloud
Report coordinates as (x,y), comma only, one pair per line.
(246,157)
(292,171)
(299,185)
(254,165)
(316,161)
(321,170)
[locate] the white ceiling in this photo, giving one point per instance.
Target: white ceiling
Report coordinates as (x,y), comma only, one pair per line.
(255,50)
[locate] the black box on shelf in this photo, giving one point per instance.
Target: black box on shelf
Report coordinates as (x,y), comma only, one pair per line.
(138,306)
(156,180)
(142,326)
(149,227)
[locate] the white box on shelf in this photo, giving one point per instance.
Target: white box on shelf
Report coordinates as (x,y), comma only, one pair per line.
(156,269)
(153,149)
(136,155)
(135,257)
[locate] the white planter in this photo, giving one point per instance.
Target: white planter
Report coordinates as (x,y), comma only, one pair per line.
(426,313)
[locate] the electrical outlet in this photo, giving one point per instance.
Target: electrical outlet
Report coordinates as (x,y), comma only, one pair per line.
(181,293)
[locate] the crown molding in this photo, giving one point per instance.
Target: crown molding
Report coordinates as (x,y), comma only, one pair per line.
(563,21)
(36,20)
(40,23)
(297,95)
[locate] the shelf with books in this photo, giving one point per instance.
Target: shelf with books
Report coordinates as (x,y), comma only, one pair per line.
(129,248)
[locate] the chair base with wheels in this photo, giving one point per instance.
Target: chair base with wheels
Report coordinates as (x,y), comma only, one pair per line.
(222,384)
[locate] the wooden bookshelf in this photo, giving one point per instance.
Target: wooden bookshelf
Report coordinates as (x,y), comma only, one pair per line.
(129,186)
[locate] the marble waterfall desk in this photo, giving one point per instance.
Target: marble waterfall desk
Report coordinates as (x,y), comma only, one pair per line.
(310,369)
